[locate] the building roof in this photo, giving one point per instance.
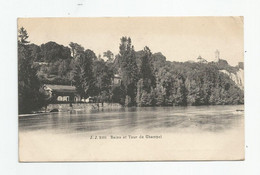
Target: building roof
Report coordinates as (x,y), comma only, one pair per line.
(62,88)
(201,60)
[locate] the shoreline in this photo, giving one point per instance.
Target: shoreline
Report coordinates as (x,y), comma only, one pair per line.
(65,107)
(111,107)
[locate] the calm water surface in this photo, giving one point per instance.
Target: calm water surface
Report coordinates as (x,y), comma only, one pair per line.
(162,119)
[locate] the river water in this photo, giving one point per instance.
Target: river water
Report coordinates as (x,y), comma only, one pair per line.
(209,125)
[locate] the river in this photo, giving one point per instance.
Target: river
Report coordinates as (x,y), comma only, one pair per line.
(185,133)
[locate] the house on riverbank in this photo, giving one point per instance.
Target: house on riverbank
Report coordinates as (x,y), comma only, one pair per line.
(68,93)
(63,93)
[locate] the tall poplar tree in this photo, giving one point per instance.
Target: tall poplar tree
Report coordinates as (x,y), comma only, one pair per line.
(129,69)
(146,72)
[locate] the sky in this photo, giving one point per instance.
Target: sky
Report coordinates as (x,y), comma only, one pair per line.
(178,38)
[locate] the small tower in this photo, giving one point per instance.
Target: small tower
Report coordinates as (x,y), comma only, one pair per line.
(217,56)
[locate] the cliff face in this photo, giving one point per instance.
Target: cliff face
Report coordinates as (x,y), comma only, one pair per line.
(237,77)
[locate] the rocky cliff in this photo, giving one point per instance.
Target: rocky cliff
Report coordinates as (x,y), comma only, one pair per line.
(237,77)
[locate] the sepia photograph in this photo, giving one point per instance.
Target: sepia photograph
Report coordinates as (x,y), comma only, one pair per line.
(131,89)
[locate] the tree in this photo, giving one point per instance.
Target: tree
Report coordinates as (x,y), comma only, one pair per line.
(103,76)
(146,70)
(22,36)
(118,95)
(109,55)
(28,84)
(46,96)
(63,67)
(83,73)
(192,84)
(52,52)
(128,67)
(139,93)
(178,93)
(76,49)
(35,52)
(146,99)
(159,95)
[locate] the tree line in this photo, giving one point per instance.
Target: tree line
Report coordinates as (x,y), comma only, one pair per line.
(147,79)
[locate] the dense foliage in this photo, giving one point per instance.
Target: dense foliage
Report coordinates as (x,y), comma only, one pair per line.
(147,79)
(29,95)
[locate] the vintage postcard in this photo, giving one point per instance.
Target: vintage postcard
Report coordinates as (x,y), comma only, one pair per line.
(131,89)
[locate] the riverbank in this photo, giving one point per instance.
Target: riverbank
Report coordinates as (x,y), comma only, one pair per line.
(55,108)
(81,106)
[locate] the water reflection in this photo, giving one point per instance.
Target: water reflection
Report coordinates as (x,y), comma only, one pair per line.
(166,119)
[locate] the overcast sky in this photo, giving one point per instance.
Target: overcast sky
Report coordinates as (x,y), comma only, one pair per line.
(178,38)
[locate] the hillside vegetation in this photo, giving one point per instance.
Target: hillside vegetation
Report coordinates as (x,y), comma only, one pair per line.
(148,79)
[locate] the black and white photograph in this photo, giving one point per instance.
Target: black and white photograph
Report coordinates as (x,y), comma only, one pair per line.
(130,89)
